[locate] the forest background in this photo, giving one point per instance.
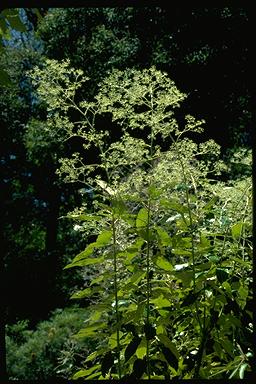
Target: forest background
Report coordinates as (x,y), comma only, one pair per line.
(205,50)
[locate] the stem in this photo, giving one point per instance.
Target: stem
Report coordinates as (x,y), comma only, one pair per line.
(116,297)
(192,236)
(148,290)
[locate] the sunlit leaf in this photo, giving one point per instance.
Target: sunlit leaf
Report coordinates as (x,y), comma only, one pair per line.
(142,349)
(161,302)
(142,218)
(236,230)
(90,330)
(163,236)
(84,262)
(162,263)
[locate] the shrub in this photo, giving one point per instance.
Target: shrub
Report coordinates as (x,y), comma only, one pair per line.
(173,241)
(49,351)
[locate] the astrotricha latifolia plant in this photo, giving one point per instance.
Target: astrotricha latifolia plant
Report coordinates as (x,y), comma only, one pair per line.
(171,256)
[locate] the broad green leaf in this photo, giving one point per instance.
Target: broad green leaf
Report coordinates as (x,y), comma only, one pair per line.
(243,292)
(83,217)
(137,277)
(132,347)
(184,276)
(139,312)
(227,287)
(162,263)
(169,357)
(142,218)
(222,274)
(90,330)
(182,252)
(164,236)
(112,341)
(161,302)
(92,356)
(168,344)
(96,315)
(82,255)
(85,372)
(236,230)
(160,329)
(84,262)
(103,239)
(96,374)
(142,349)
(81,294)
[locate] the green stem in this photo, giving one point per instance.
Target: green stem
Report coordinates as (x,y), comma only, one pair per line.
(148,290)
(116,297)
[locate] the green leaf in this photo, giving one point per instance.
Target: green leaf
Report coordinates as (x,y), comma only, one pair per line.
(139,367)
(103,239)
(164,237)
(81,294)
(83,217)
(137,277)
(161,302)
(107,363)
(182,252)
(84,262)
(162,263)
(90,330)
(236,230)
(85,372)
(222,274)
(168,344)
(142,218)
(169,357)
(132,347)
(139,312)
(112,341)
(142,349)
(243,292)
